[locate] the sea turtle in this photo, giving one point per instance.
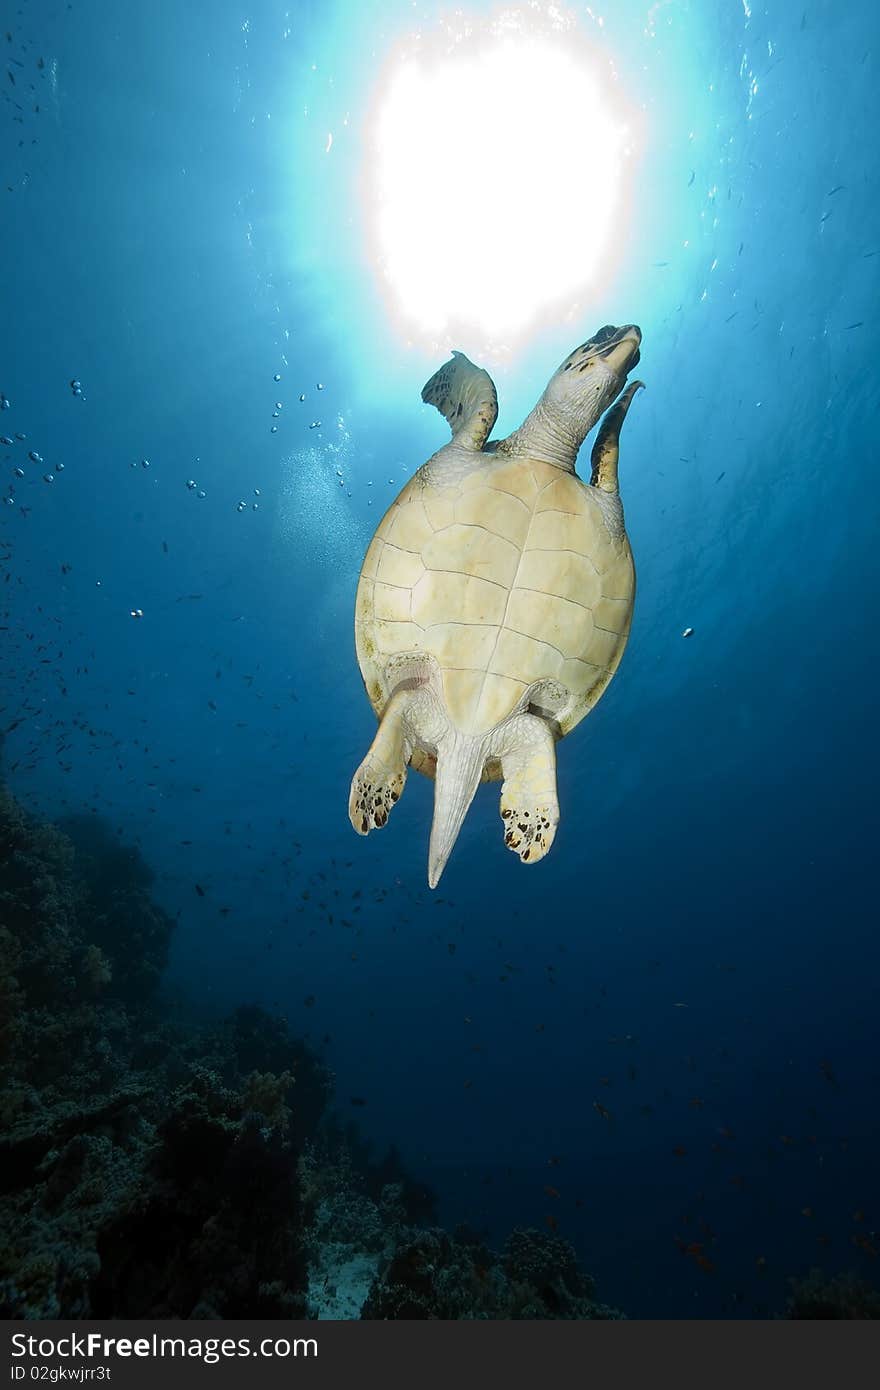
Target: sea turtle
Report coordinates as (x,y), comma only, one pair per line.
(495,599)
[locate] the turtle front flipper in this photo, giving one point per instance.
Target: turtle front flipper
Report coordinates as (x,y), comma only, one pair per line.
(606,450)
(529,807)
(466,395)
(379,781)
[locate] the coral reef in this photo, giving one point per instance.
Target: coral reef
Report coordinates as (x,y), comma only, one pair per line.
(150,1168)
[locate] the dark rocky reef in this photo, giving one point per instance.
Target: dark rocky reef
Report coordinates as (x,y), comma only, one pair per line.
(146,1168)
(844,1297)
(433,1275)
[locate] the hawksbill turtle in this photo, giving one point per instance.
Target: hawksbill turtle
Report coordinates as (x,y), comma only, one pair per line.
(495,599)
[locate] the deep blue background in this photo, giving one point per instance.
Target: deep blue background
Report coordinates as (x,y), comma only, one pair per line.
(699,952)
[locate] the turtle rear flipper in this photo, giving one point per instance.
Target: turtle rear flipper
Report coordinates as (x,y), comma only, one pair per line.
(529,806)
(411,717)
(466,395)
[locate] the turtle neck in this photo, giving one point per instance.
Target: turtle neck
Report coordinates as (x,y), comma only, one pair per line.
(547,434)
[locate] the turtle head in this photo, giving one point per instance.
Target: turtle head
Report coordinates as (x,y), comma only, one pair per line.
(591,376)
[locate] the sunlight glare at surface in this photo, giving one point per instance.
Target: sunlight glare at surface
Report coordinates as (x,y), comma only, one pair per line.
(494,179)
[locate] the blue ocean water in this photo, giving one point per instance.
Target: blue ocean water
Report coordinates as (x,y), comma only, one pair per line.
(696,955)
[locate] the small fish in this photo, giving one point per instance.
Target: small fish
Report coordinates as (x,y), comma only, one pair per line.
(600,1110)
(356,1100)
(692,177)
(551,1191)
(200,890)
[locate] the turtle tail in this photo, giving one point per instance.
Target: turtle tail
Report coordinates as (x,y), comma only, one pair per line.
(460,762)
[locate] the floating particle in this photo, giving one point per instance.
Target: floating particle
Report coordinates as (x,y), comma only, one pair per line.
(19,472)
(135,612)
(192,484)
(75,385)
(4,439)
(255,506)
(133,463)
(277,376)
(19,435)
(256,492)
(274,414)
(35,457)
(273,429)
(48,477)
(59,468)
(320,385)
(242,507)
(279,405)
(688,632)
(201,493)
(315,425)
(10,501)
(145,463)
(5,402)
(98,583)
(303,396)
